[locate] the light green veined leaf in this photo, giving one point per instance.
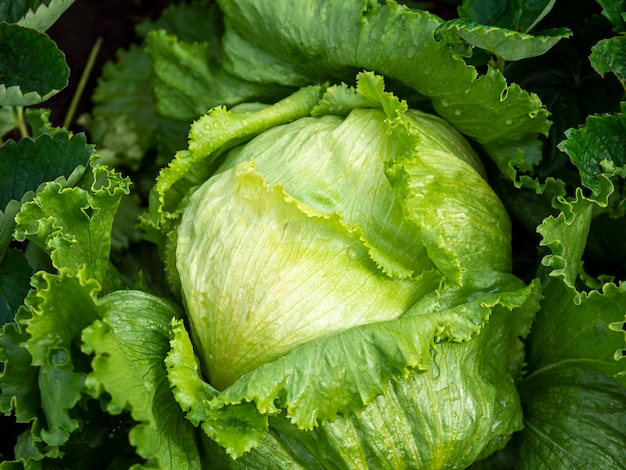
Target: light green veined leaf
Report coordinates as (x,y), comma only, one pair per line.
(129,344)
(504,43)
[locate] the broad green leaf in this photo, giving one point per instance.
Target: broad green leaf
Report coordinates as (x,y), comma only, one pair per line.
(282,43)
(517,15)
(505,43)
(609,55)
(190,80)
(597,147)
(575,417)
(124,123)
(130,344)
(353,376)
(15,273)
(584,328)
(73,225)
(26,164)
(53,333)
(32,68)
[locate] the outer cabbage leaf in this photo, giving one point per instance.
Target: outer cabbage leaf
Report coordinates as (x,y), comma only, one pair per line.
(575,417)
(190,80)
(355,367)
(124,121)
(574,392)
(295,44)
(130,343)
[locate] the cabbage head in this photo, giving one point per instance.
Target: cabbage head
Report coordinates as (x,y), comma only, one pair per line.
(346,272)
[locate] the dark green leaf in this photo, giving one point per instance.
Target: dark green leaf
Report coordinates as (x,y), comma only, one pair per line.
(15,273)
(614,11)
(609,55)
(197,21)
(597,147)
(32,68)
(517,15)
(19,393)
(30,162)
(191,80)
(575,418)
(505,43)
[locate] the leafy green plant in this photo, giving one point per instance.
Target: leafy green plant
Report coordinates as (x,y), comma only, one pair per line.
(387,240)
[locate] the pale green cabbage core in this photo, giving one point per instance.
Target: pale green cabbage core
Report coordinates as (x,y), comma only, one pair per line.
(304,232)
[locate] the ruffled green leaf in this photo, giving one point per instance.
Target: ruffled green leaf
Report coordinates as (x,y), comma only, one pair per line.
(73,225)
(354,368)
(124,122)
(212,134)
(609,55)
(130,343)
(282,43)
(237,428)
(190,80)
(505,43)
(517,15)
(598,147)
(53,331)
(32,68)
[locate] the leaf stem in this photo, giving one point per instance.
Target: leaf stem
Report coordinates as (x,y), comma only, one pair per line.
(91,60)
(18,115)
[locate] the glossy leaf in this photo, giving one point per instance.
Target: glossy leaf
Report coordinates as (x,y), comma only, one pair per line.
(516,15)
(26,164)
(505,43)
(597,147)
(32,68)
(129,345)
(609,55)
